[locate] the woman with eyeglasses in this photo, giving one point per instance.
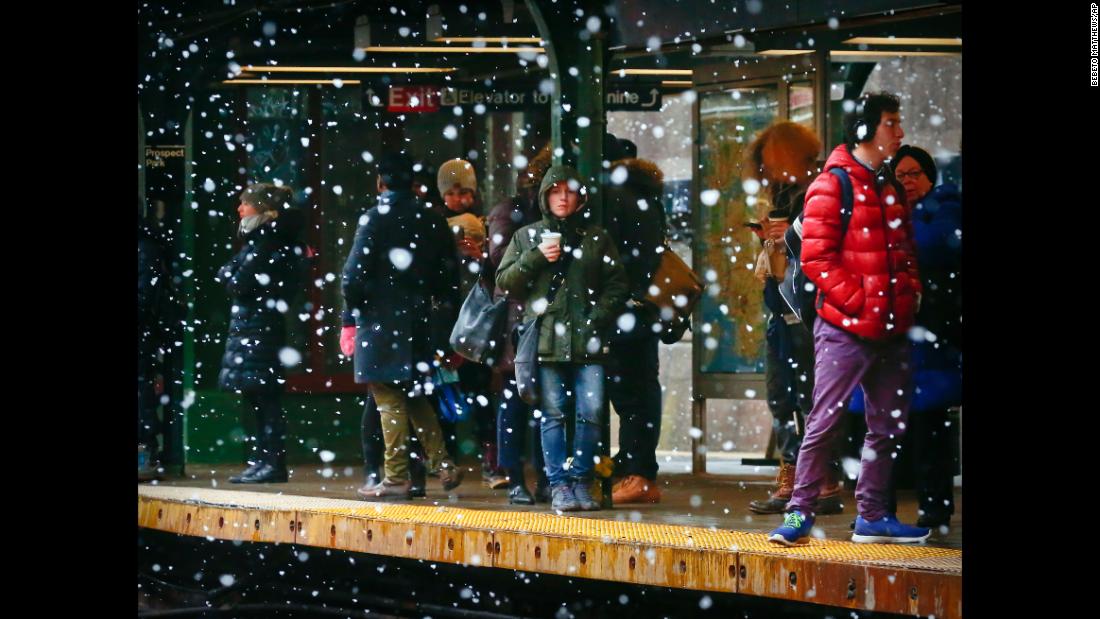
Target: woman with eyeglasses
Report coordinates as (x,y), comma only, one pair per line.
(936,213)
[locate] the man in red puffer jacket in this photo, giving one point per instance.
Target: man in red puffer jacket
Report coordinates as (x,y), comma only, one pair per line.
(868,291)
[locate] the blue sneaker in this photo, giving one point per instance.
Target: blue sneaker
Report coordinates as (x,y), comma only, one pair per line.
(887,530)
(795,530)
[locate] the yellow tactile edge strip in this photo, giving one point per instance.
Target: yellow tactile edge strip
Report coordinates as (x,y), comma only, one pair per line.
(673,536)
(911,580)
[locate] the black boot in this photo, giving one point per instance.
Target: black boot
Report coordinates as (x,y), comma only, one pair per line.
(934,520)
(256,457)
(418,478)
(542,486)
(518,495)
(266,474)
(542,491)
(517,489)
(251,470)
(273,448)
(272,469)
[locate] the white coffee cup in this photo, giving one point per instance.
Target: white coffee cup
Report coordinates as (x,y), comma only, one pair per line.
(553,237)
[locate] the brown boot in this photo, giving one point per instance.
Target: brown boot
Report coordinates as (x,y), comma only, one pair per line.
(635,489)
(828,502)
(777,502)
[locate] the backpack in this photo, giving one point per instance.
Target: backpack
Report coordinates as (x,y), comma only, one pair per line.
(797,290)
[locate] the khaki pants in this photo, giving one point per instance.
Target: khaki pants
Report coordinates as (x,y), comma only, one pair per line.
(396,409)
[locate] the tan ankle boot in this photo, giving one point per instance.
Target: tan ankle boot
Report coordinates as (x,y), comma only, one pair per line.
(777,502)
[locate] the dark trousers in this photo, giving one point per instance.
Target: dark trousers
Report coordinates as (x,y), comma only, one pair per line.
(269,440)
(635,392)
(930,457)
(476,382)
(789,382)
(374,446)
(517,428)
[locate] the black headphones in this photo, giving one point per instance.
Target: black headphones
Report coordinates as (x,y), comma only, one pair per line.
(860,121)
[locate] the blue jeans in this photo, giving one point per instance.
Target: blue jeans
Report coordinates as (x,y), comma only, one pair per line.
(515,423)
(565,387)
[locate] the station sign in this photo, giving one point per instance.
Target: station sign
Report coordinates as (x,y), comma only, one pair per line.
(413,99)
(502,97)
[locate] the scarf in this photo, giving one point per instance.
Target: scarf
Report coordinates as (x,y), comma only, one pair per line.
(252,222)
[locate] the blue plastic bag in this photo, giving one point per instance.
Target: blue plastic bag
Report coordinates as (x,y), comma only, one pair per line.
(449,400)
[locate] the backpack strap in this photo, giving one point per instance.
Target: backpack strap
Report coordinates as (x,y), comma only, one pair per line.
(846,201)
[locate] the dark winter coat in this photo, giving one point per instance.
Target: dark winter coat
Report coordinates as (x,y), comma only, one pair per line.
(263,280)
(503,221)
(400,279)
(867,281)
(635,218)
(577,324)
(937,224)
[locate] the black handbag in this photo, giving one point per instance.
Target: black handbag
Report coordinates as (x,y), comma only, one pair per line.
(527,346)
(477,334)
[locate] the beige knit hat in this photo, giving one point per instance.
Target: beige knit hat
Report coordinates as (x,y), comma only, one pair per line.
(456,172)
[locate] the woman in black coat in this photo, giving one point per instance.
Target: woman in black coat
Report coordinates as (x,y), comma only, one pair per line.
(262,280)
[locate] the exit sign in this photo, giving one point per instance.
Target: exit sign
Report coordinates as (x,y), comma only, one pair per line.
(413,99)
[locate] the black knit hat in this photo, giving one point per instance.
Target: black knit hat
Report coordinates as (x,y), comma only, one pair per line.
(396,170)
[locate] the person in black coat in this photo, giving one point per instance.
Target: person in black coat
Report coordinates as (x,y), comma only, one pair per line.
(262,279)
(635,217)
(151,291)
(401,275)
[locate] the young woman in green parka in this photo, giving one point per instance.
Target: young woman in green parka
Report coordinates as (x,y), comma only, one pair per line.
(573,335)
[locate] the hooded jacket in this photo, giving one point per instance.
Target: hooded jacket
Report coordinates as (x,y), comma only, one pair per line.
(867,281)
(577,323)
(262,280)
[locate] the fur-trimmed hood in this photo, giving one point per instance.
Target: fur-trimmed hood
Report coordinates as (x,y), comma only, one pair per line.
(642,172)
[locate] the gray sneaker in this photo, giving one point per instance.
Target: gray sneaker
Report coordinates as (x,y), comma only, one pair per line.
(584,497)
(562,499)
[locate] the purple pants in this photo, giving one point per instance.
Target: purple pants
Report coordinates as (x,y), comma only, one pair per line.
(841,362)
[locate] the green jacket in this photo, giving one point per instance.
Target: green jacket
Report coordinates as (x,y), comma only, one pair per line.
(576,326)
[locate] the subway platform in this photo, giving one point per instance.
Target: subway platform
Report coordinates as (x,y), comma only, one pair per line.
(700,537)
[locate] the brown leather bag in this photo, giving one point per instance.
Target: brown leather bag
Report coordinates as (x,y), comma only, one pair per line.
(677,286)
